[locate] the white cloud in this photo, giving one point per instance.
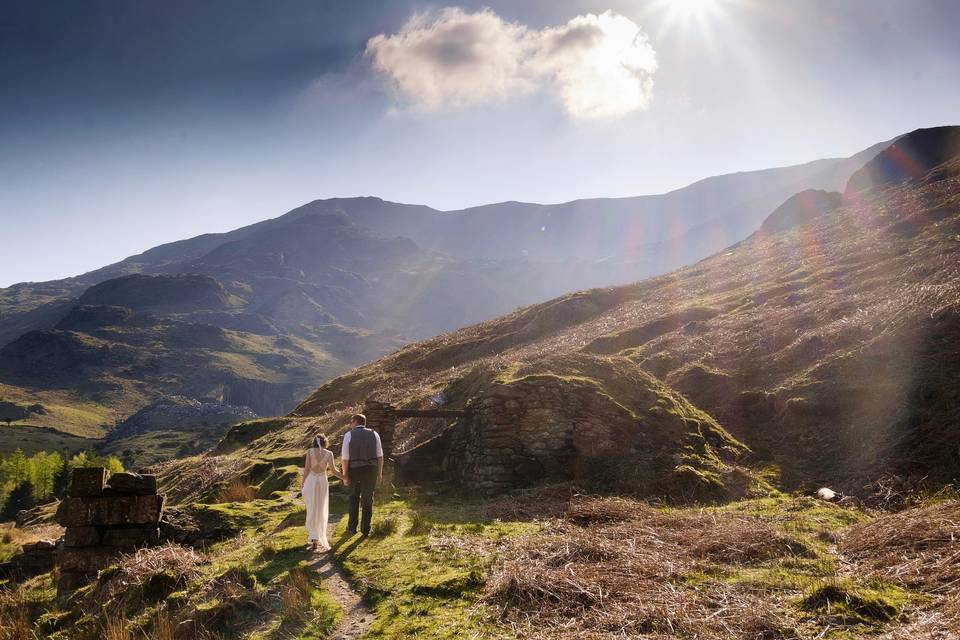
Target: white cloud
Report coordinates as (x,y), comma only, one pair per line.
(599,65)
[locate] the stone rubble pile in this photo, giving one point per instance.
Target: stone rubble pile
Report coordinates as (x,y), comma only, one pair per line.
(104,516)
(37,558)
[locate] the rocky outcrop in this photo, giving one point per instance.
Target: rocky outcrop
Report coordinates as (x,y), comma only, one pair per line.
(180,413)
(265,398)
(104,517)
(168,293)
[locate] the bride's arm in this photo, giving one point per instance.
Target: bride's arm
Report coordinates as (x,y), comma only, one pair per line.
(305,471)
(333,466)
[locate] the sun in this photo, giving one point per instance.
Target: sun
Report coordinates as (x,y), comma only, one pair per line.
(691,8)
(686,17)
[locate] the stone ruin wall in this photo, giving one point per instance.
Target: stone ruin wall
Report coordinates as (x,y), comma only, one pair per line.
(539,428)
(518,433)
(104,516)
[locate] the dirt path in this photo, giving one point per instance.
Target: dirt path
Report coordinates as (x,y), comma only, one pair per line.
(357,617)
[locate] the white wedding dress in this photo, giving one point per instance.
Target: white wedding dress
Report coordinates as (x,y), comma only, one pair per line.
(316,495)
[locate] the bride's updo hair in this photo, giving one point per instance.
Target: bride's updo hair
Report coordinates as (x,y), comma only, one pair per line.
(320,442)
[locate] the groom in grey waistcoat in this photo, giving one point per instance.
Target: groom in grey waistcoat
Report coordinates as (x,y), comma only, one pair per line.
(362,459)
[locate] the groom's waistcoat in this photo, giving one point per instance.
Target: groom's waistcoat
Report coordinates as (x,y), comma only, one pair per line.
(363,447)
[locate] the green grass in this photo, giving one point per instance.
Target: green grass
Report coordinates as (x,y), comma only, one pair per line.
(844,602)
(415,589)
(67,412)
(32,439)
(154,446)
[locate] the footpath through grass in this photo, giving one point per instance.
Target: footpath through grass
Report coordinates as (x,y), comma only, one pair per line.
(424,567)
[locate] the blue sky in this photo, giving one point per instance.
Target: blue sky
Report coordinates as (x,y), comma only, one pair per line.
(127,124)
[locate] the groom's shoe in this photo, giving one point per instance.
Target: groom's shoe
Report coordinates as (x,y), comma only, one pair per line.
(351,532)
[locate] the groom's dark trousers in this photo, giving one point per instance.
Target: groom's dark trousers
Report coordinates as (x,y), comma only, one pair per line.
(363,480)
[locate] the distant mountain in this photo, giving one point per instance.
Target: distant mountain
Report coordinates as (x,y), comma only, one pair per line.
(260,315)
(828,343)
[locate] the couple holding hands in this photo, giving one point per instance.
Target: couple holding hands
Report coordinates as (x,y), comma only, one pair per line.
(362,469)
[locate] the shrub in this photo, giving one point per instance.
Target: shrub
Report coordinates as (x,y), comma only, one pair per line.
(19,499)
(237,491)
(384,527)
(295,594)
(419,524)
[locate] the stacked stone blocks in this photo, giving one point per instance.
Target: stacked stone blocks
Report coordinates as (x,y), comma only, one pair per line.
(104,516)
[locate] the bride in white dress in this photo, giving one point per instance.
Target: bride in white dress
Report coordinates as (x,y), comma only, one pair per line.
(316,491)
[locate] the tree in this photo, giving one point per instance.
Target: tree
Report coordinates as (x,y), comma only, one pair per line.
(44,468)
(16,468)
(91,459)
(19,499)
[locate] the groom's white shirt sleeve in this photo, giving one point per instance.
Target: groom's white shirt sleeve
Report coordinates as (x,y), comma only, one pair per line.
(379,447)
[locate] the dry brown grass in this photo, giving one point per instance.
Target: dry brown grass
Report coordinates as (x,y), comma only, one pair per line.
(15,536)
(939,621)
(587,511)
(295,595)
(619,572)
(544,501)
(918,547)
(116,627)
(238,490)
(182,563)
(15,621)
(10,534)
(163,627)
